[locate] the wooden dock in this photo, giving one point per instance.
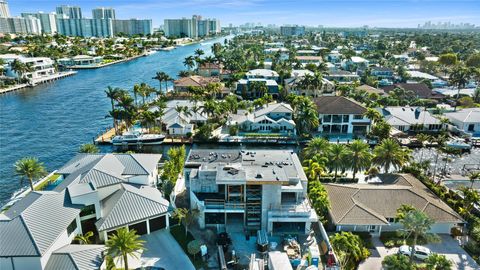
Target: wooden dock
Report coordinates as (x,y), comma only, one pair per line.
(35,82)
(105,137)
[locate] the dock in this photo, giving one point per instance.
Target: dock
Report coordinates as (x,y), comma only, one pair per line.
(35,82)
(105,137)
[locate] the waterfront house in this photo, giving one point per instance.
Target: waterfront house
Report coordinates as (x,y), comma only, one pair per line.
(271,118)
(342,77)
(372,207)
(294,84)
(183,84)
(244,88)
(354,63)
(81,61)
(180,123)
(210,69)
(467,120)
(309,59)
(262,74)
(339,115)
(251,190)
(410,119)
(92,192)
(42,67)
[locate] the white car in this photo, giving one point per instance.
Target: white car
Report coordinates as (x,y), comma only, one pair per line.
(420,252)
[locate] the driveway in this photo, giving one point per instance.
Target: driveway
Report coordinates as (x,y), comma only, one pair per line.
(448,247)
(162,250)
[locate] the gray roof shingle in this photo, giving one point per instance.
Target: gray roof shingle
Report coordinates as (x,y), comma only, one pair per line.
(338,105)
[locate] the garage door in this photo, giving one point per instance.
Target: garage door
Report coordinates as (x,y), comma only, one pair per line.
(141,227)
(158,223)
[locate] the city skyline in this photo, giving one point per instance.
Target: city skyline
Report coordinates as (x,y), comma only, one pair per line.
(395,13)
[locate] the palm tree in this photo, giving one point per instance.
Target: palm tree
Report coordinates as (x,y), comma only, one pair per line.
(84,239)
(124,243)
(112,94)
(438,262)
(199,52)
(417,224)
(373,115)
(316,146)
(160,76)
(19,67)
(422,138)
(189,62)
(185,216)
(30,168)
(396,262)
(337,157)
(459,77)
(306,115)
(88,148)
(348,247)
(473,176)
(389,153)
(359,156)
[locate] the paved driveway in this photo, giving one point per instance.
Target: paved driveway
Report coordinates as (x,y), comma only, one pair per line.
(162,250)
(448,247)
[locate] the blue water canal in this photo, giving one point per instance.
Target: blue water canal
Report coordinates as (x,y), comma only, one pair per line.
(52,120)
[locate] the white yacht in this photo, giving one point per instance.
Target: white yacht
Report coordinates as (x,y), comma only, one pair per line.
(135,138)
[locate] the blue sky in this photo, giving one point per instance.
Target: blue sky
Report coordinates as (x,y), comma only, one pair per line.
(386,13)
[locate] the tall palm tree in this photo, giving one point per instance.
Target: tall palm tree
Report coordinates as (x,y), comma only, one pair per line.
(389,153)
(124,243)
(30,168)
(306,115)
(185,216)
(160,76)
(189,62)
(359,156)
(422,138)
(373,115)
(459,77)
(112,94)
(337,158)
(315,167)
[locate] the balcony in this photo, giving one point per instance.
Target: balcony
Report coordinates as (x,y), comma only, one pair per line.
(223,205)
(302,209)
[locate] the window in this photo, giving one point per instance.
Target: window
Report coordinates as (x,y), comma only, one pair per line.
(471,127)
(88,210)
(72,227)
(337,119)
(327,118)
(344,128)
(346,118)
(358,117)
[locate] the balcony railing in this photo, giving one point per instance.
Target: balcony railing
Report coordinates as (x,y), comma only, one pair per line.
(221,204)
(293,209)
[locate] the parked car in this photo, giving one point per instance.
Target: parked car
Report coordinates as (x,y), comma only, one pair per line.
(420,252)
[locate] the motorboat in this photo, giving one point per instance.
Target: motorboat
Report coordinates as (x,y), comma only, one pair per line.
(136,138)
(459,144)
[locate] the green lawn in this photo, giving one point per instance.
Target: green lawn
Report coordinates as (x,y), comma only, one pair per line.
(178,232)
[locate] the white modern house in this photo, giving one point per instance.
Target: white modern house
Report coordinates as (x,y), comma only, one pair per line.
(271,118)
(373,207)
(410,119)
(81,61)
(92,192)
(252,190)
(41,67)
(294,85)
(467,120)
(354,63)
(341,116)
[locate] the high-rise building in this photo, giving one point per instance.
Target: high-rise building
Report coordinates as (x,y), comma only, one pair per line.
(47,21)
(85,27)
(292,30)
(192,28)
(17,25)
(4,11)
(103,13)
(72,12)
(132,27)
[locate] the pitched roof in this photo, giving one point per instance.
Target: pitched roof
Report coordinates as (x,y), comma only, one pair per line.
(471,115)
(419,89)
(400,116)
(35,223)
(195,80)
(372,204)
(130,204)
(369,89)
(338,105)
(76,257)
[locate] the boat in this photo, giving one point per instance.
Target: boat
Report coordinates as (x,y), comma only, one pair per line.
(459,144)
(166,48)
(150,52)
(136,138)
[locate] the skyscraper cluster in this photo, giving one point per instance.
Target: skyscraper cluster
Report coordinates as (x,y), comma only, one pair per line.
(69,21)
(446,25)
(192,28)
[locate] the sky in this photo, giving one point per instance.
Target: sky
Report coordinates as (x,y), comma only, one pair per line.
(336,13)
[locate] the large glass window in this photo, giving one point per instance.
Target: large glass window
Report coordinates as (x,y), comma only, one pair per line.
(336,118)
(358,117)
(327,118)
(346,118)
(344,128)
(336,128)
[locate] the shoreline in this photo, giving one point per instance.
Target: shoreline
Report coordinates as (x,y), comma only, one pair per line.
(110,63)
(54,77)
